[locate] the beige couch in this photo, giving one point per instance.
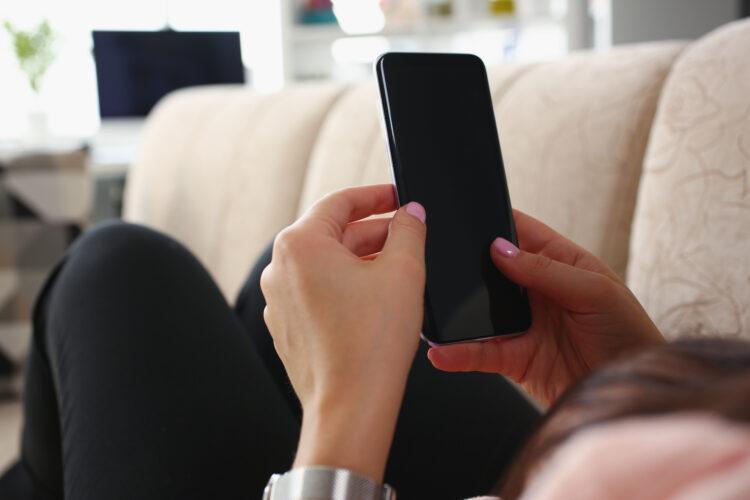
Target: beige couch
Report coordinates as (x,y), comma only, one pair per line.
(641,154)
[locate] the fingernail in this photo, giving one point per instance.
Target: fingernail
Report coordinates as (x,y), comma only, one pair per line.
(505,247)
(433,353)
(416,210)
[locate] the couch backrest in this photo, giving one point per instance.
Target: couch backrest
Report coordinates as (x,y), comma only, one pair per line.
(690,262)
(573,134)
(223,169)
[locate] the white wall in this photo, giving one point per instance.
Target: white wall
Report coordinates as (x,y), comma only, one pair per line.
(643,20)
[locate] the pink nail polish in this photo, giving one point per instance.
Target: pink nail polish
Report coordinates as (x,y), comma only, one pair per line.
(415,209)
(505,247)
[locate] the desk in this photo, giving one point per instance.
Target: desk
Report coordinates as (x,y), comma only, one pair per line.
(49,193)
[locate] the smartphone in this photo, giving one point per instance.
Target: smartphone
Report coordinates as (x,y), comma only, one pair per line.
(445,154)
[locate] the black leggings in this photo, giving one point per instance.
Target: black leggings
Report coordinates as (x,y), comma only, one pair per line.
(143,383)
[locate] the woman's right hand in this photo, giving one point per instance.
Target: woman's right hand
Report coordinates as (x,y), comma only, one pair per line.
(583,316)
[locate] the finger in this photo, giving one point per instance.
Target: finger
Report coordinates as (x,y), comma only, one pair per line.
(336,210)
(533,234)
(502,356)
(574,288)
(536,237)
(407,233)
(366,237)
(465,357)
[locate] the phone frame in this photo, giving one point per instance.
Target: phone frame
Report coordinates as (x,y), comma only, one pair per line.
(396,171)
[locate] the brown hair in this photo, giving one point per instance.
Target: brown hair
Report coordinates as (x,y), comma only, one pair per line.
(710,375)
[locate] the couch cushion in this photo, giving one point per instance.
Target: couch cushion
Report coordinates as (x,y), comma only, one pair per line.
(690,263)
(221,169)
(350,150)
(574,134)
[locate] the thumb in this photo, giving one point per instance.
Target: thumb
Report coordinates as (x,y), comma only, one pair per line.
(407,232)
(572,287)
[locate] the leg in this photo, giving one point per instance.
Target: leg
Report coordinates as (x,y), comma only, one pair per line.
(457,432)
(141,382)
(249,309)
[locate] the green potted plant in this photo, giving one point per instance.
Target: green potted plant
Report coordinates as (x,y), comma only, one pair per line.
(34,49)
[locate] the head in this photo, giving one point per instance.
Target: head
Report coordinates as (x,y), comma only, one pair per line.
(711,375)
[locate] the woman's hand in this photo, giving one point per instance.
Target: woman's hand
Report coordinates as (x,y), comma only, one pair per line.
(344,306)
(583,315)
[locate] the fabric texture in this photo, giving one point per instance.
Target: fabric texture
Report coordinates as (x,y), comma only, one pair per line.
(574,134)
(690,263)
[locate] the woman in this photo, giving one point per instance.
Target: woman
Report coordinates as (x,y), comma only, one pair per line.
(142,384)
(669,422)
(319,286)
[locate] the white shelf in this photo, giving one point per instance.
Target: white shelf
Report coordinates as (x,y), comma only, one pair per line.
(307,50)
(306,33)
(319,33)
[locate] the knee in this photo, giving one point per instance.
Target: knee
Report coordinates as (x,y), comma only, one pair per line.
(118,269)
(110,270)
(117,236)
(118,254)
(113,243)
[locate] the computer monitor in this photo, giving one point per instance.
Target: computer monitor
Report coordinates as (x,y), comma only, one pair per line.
(135,69)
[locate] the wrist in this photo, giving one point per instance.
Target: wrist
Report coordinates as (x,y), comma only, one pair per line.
(349,434)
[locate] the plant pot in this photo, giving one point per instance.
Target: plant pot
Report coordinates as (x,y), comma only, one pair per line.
(38,123)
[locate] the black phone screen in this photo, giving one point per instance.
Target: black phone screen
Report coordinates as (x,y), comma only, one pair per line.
(446,155)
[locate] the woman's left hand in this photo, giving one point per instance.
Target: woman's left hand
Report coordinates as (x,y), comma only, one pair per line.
(344,306)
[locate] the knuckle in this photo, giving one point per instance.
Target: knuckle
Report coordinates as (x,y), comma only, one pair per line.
(266,279)
(410,265)
(410,225)
(335,196)
(343,192)
(601,284)
(562,249)
(540,264)
(330,224)
(601,290)
(325,200)
(287,242)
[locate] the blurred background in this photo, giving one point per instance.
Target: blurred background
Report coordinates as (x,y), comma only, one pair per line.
(285,41)
(79,77)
